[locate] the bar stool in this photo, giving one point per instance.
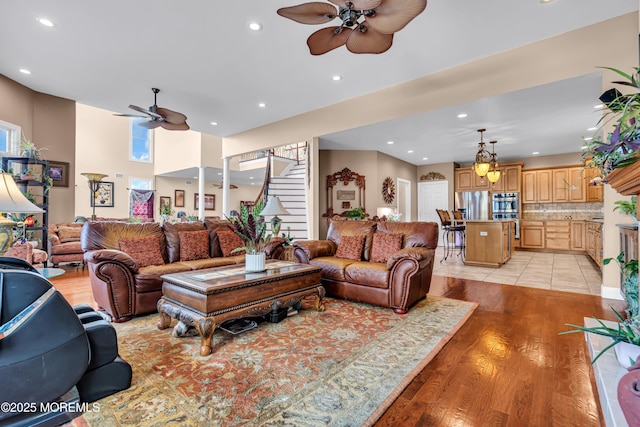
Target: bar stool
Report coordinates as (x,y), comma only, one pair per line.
(449,227)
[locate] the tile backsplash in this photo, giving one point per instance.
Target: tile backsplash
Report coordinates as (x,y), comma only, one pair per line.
(555,211)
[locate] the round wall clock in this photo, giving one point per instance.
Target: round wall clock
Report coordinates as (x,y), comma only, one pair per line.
(388,190)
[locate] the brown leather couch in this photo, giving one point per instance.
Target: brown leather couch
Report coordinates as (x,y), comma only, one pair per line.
(122,288)
(399,283)
(64,243)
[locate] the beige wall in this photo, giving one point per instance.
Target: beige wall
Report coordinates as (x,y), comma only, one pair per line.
(375,166)
(49,122)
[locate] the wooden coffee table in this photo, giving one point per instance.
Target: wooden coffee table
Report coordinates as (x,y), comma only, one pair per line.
(203,299)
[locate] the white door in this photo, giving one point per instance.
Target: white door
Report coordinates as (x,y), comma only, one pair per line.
(404,199)
(432,196)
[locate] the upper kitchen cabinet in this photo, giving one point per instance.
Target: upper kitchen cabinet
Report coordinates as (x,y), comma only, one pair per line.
(510,180)
(594,192)
(560,185)
(467,180)
(537,186)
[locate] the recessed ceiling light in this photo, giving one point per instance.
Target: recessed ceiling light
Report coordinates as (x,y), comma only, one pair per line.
(195,177)
(46,22)
(588,139)
(425,158)
(462,115)
(584,147)
(214,123)
(337,78)
(593,128)
(219,173)
(390,142)
(262,105)
(599,106)
(545,1)
(25,71)
(250,177)
(410,151)
(255,26)
(535,153)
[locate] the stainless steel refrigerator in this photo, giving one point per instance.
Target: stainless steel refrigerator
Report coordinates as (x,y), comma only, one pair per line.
(473,204)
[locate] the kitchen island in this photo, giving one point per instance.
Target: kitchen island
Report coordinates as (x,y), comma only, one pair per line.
(488,242)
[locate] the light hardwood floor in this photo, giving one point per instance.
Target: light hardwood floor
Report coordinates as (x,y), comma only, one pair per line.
(506,366)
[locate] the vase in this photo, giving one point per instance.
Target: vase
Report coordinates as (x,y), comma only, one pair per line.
(626,353)
(629,395)
(255,262)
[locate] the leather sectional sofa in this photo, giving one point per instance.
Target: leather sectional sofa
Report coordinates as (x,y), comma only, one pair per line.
(360,264)
(122,287)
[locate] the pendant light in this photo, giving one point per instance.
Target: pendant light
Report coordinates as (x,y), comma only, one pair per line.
(481,165)
(494,173)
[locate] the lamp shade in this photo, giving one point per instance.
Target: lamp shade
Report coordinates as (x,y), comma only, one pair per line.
(493,175)
(94,176)
(11,198)
(274,207)
(481,168)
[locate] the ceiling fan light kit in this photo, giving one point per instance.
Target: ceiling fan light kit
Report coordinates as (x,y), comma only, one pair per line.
(159,117)
(367,25)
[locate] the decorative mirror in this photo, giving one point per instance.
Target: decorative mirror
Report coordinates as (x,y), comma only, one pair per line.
(352,196)
(388,190)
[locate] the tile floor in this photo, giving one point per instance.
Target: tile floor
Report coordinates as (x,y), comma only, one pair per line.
(554,271)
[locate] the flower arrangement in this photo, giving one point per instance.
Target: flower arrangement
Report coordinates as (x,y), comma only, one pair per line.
(251,228)
(621,146)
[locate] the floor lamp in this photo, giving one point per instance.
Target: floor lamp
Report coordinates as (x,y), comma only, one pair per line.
(274,207)
(11,200)
(94,182)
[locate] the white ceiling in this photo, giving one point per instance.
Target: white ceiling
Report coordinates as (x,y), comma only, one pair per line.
(211,67)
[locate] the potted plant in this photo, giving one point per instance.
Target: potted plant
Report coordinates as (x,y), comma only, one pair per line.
(165,212)
(29,149)
(356,213)
(627,207)
(252,230)
(621,146)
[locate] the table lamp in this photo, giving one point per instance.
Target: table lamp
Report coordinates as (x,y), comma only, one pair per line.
(11,200)
(94,182)
(274,207)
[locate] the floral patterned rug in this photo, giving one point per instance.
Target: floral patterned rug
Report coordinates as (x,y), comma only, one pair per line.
(341,367)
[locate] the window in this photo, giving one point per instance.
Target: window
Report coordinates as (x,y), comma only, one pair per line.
(9,138)
(141,147)
(140,183)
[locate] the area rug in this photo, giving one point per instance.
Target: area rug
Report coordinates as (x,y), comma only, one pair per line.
(341,367)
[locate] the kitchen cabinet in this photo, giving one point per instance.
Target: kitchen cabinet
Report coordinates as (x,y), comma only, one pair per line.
(593,192)
(578,236)
(532,234)
(537,186)
(577,185)
(510,179)
(30,177)
(557,235)
(594,241)
(488,243)
(560,185)
(467,180)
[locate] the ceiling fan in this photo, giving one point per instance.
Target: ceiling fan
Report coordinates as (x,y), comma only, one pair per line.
(220,185)
(163,117)
(367,25)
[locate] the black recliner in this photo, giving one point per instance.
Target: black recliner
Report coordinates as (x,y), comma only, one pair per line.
(47,347)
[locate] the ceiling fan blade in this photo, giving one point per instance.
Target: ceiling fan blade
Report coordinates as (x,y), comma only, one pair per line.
(309,13)
(171,116)
(131,115)
(369,41)
(326,39)
(151,124)
(173,126)
(147,112)
(394,15)
(358,4)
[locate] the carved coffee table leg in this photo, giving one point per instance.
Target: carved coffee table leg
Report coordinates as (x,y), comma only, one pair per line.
(205,327)
(318,303)
(165,319)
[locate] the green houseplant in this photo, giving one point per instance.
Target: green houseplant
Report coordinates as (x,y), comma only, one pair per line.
(620,149)
(627,207)
(356,213)
(252,230)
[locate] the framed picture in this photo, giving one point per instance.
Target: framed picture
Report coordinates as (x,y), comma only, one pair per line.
(179,198)
(209,201)
(346,205)
(103,196)
(346,194)
(59,173)
(165,201)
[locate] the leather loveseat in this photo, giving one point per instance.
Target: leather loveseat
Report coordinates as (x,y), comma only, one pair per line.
(64,243)
(124,286)
(390,271)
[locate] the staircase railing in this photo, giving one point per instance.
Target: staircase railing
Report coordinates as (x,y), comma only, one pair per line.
(294,152)
(264,191)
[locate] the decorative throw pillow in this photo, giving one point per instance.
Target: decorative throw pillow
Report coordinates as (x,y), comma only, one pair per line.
(385,245)
(194,245)
(350,247)
(228,242)
(69,234)
(144,250)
